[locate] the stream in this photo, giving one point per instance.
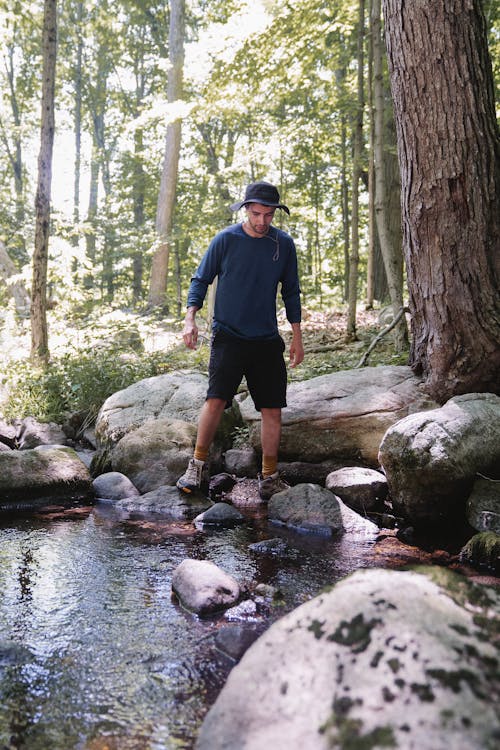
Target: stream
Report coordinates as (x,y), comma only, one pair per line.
(95,653)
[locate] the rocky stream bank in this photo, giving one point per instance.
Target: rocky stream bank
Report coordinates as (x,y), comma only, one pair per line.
(390,656)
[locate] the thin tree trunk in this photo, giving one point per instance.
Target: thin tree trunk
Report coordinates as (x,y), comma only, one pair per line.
(392,255)
(77,121)
(344,187)
(370,265)
(90,233)
(356,176)
(449,155)
(12,140)
(168,185)
(138,196)
(39,335)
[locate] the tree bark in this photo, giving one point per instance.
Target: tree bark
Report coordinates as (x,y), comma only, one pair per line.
(449,155)
(39,335)
(168,185)
(356,176)
(391,254)
(77,119)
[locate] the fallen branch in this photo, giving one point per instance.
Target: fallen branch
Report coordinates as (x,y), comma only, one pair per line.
(377,338)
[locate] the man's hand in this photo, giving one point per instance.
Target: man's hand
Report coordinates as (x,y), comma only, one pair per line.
(296,347)
(190,332)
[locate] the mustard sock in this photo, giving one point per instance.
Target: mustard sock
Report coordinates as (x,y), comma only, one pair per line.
(200,453)
(269,465)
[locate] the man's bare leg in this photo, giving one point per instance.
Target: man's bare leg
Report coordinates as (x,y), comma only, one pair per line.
(270,435)
(196,474)
(209,419)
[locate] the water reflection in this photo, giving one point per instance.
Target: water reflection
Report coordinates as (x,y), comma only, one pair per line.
(93,651)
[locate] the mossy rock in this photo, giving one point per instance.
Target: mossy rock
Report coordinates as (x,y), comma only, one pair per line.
(483,551)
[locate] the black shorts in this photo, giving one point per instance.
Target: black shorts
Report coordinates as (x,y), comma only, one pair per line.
(260,362)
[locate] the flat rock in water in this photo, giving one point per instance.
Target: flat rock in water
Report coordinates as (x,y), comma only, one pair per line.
(167,500)
(220,514)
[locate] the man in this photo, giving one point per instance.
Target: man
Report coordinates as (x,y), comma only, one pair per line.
(250,260)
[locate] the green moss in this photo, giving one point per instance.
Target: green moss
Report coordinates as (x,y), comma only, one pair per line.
(394,664)
(316,627)
(356,633)
(348,735)
(424,692)
(483,550)
(460,589)
(453,679)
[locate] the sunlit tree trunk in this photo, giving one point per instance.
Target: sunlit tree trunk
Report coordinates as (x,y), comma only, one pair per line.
(391,252)
(77,119)
(39,336)
(91,229)
(356,176)
(11,137)
(16,289)
(449,155)
(138,195)
(168,185)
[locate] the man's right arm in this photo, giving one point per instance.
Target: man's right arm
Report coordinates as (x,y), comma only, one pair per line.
(190,331)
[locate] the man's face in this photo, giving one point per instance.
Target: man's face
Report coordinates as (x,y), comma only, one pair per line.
(259,219)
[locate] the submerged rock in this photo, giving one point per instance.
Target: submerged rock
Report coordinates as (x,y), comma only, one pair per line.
(167,501)
(383,659)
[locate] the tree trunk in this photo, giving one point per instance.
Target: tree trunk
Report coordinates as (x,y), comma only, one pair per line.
(91,231)
(77,121)
(356,176)
(12,141)
(393,261)
(39,336)
(449,154)
(16,289)
(138,197)
(168,185)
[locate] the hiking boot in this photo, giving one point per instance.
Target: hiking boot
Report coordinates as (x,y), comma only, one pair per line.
(269,486)
(195,478)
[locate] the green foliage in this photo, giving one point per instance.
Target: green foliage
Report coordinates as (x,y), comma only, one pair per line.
(80,381)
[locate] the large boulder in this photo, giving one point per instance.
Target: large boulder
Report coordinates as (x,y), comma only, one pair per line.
(431,459)
(177,395)
(33,479)
(154,454)
(383,659)
(483,505)
(343,415)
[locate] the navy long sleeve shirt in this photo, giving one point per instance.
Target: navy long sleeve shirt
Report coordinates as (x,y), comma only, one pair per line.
(249,270)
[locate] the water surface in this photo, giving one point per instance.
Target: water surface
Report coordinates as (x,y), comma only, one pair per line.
(94,652)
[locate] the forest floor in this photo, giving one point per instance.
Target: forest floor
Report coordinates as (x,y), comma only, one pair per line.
(324,334)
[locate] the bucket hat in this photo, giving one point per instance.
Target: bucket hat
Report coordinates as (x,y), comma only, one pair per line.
(263,193)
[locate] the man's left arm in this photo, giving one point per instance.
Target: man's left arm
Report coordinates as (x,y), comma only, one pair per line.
(296,347)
